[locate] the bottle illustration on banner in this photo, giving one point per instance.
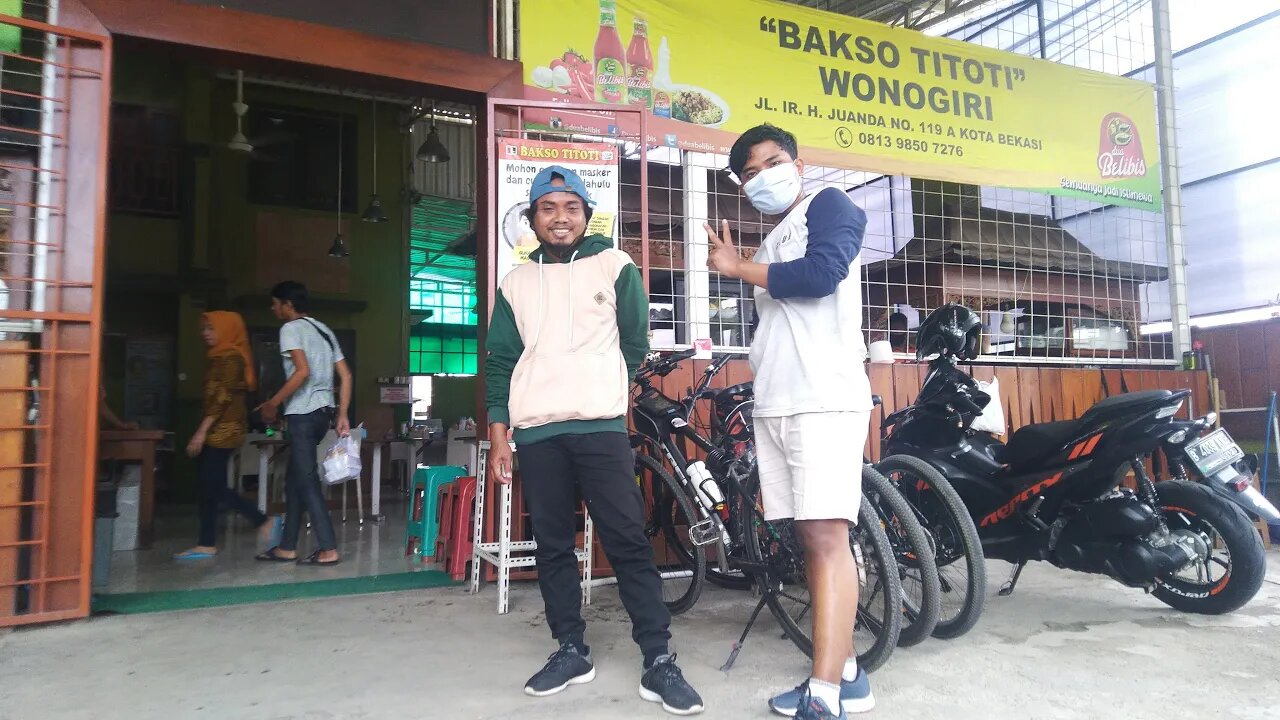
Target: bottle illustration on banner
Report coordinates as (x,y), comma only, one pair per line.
(662,82)
(640,66)
(610,60)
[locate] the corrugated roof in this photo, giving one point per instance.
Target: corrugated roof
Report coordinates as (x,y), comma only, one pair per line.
(917,14)
(969,235)
(437,223)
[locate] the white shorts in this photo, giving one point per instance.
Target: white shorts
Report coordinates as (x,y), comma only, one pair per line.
(811,464)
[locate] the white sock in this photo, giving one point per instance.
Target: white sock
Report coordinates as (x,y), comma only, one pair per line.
(850,670)
(828,693)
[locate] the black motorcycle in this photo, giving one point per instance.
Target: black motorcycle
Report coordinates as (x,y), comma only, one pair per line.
(1055,493)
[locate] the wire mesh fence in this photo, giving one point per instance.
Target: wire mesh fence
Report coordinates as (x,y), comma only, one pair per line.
(1055,279)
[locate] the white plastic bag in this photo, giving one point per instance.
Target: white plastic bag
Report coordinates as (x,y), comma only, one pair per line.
(342,461)
(992,418)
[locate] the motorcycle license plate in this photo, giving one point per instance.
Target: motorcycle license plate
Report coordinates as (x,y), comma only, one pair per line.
(1214,452)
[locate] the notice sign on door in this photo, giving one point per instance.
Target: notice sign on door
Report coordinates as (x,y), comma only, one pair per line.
(519,161)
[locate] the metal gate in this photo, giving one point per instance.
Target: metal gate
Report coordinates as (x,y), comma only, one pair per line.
(54,105)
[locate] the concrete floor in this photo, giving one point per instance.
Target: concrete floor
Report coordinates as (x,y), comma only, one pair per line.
(1065,646)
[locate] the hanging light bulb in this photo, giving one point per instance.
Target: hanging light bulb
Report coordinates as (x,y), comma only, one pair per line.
(432,150)
(339,247)
(373,213)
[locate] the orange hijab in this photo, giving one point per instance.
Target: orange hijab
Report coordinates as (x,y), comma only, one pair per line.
(232,338)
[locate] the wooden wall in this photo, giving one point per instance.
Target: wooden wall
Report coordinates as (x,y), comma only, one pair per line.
(1246,360)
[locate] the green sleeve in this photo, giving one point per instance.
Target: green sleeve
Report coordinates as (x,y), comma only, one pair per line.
(504,347)
(633,317)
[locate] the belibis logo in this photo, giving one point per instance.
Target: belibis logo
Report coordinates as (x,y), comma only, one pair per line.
(1120,149)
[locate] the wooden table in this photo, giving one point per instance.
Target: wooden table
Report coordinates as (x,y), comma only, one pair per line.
(136,446)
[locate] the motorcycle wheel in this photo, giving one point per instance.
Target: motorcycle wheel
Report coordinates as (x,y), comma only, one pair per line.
(962,568)
(1235,550)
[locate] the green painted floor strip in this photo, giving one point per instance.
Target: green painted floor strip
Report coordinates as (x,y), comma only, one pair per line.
(170,600)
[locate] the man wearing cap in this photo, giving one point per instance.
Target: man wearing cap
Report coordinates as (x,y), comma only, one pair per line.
(569,330)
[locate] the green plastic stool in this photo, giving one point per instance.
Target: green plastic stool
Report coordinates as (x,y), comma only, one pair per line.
(423,523)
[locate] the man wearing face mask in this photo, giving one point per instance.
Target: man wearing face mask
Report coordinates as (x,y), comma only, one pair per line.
(812,397)
(569,330)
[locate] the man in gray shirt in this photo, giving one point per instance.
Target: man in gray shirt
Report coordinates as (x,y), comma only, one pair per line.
(311,357)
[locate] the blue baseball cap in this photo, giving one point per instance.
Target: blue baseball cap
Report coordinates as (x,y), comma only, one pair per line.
(572,183)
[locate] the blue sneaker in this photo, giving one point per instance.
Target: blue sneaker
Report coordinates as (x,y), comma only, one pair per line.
(855,697)
(812,708)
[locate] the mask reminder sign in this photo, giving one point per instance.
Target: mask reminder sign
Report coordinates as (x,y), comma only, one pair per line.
(520,161)
(857,94)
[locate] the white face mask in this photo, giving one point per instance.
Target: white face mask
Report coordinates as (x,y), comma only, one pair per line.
(772,191)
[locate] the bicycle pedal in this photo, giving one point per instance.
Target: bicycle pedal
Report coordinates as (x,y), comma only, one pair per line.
(704,533)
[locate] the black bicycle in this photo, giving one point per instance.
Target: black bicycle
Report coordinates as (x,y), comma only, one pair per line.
(725,492)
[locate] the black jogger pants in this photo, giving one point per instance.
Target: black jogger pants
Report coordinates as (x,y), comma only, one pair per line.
(601,467)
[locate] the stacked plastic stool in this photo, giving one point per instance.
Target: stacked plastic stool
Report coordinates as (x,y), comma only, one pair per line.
(423,524)
(453,542)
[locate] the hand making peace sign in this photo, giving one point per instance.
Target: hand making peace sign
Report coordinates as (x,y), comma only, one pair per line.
(723,257)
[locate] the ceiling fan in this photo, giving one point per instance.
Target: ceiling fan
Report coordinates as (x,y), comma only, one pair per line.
(239,142)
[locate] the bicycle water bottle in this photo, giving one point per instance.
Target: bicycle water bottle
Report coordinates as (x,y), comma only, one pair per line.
(709,495)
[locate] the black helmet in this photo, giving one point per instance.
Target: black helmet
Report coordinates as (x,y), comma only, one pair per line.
(950,330)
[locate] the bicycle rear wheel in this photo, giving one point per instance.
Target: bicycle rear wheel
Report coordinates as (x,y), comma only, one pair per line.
(913,551)
(879,618)
(962,568)
(668,515)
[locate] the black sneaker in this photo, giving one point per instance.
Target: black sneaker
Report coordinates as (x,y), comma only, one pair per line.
(665,683)
(564,667)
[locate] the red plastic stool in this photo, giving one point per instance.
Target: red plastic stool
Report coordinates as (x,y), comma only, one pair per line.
(454,543)
(445,500)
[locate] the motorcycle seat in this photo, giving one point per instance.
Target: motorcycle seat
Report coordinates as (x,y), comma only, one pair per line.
(1031,445)
(1123,404)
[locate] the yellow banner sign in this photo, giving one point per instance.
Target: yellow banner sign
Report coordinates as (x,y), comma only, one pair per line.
(857,94)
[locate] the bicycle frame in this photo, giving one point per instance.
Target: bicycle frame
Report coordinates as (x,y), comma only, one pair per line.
(661,422)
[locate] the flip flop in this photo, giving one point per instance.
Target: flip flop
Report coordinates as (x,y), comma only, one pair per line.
(269,555)
(314,559)
(193,555)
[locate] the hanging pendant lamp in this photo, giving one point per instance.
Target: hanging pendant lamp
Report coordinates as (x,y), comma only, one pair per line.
(339,247)
(374,213)
(432,149)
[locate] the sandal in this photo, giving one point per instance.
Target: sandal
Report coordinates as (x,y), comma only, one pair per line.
(314,559)
(193,555)
(269,555)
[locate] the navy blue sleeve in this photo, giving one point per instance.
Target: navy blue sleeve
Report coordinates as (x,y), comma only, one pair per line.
(836,227)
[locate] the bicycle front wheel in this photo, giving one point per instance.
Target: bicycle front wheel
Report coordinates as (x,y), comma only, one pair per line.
(962,568)
(668,516)
(913,551)
(879,617)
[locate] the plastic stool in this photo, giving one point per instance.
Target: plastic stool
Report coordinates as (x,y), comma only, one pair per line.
(423,523)
(454,543)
